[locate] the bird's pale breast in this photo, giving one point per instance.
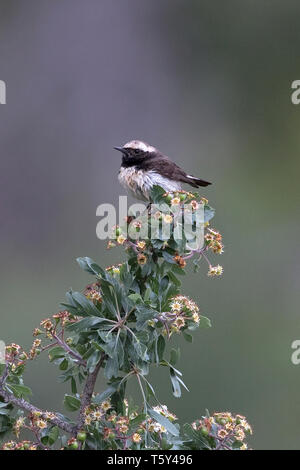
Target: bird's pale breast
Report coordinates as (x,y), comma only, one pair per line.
(139,182)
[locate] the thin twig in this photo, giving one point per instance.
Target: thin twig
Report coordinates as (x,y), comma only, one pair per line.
(26,406)
(88,392)
(200,251)
(69,350)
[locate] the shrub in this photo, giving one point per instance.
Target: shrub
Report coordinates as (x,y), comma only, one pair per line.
(120,325)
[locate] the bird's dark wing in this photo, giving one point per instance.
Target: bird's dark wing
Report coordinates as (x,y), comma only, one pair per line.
(165,167)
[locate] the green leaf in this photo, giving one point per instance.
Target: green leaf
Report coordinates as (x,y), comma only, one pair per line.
(167,364)
(137,421)
(87,306)
(111,368)
(182,383)
(143,315)
(173,278)
(5,409)
(56,352)
(204,322)
(177,270)
(163,285)
(195,436)
(156,195)
(160,348)
(107,393)
(150,390)
(147,294)
(19,390)
(84,265)
(141,350)
(168,257)
(109,299)
(87,264)
(237,444)
(63,365)
(110,346)
(143,336)
(175,384)
(73,385)
(5,405)
(86,324)
(71,403)
(193,326)
(136,298)
(163,421)
(119,351)
(93,360)
(53,435)
(174,356)
(5,425)
(67,375)
(187,336)
(165,445)
(96,346)
(69,308)
(209,213)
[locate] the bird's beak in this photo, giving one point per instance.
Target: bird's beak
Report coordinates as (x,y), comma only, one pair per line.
(120,149)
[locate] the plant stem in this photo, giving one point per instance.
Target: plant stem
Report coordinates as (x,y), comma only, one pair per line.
(72,353)
(26,406)
(143,393)
(88,392)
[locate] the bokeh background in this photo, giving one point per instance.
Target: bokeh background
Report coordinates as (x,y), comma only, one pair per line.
(208,83)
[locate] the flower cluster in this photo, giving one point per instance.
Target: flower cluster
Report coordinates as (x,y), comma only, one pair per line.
(110,424)
(154,426)
(215,270)
(114,426)
(15,357)
(179,260)
(213,240)
(92,292)
(34,422)
(183,313)
(122,428)
(224,430)
(35,348)
(63,318)
(50,327)
(18,425)
(169,210)
(114,269)
(183,197)
(22,445)
(95,413)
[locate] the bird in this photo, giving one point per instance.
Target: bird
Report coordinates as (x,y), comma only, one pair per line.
(144,166)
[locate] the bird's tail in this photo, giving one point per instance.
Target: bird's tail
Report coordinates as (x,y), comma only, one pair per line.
(196,182)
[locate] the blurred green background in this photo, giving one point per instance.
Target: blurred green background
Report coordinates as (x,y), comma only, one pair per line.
(207,82)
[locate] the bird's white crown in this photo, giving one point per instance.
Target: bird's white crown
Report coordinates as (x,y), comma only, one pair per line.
(139,145)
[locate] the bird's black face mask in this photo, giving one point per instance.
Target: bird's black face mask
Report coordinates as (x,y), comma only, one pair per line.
(132,157)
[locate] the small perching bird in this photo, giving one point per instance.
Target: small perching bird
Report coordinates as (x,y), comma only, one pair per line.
(143,167)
